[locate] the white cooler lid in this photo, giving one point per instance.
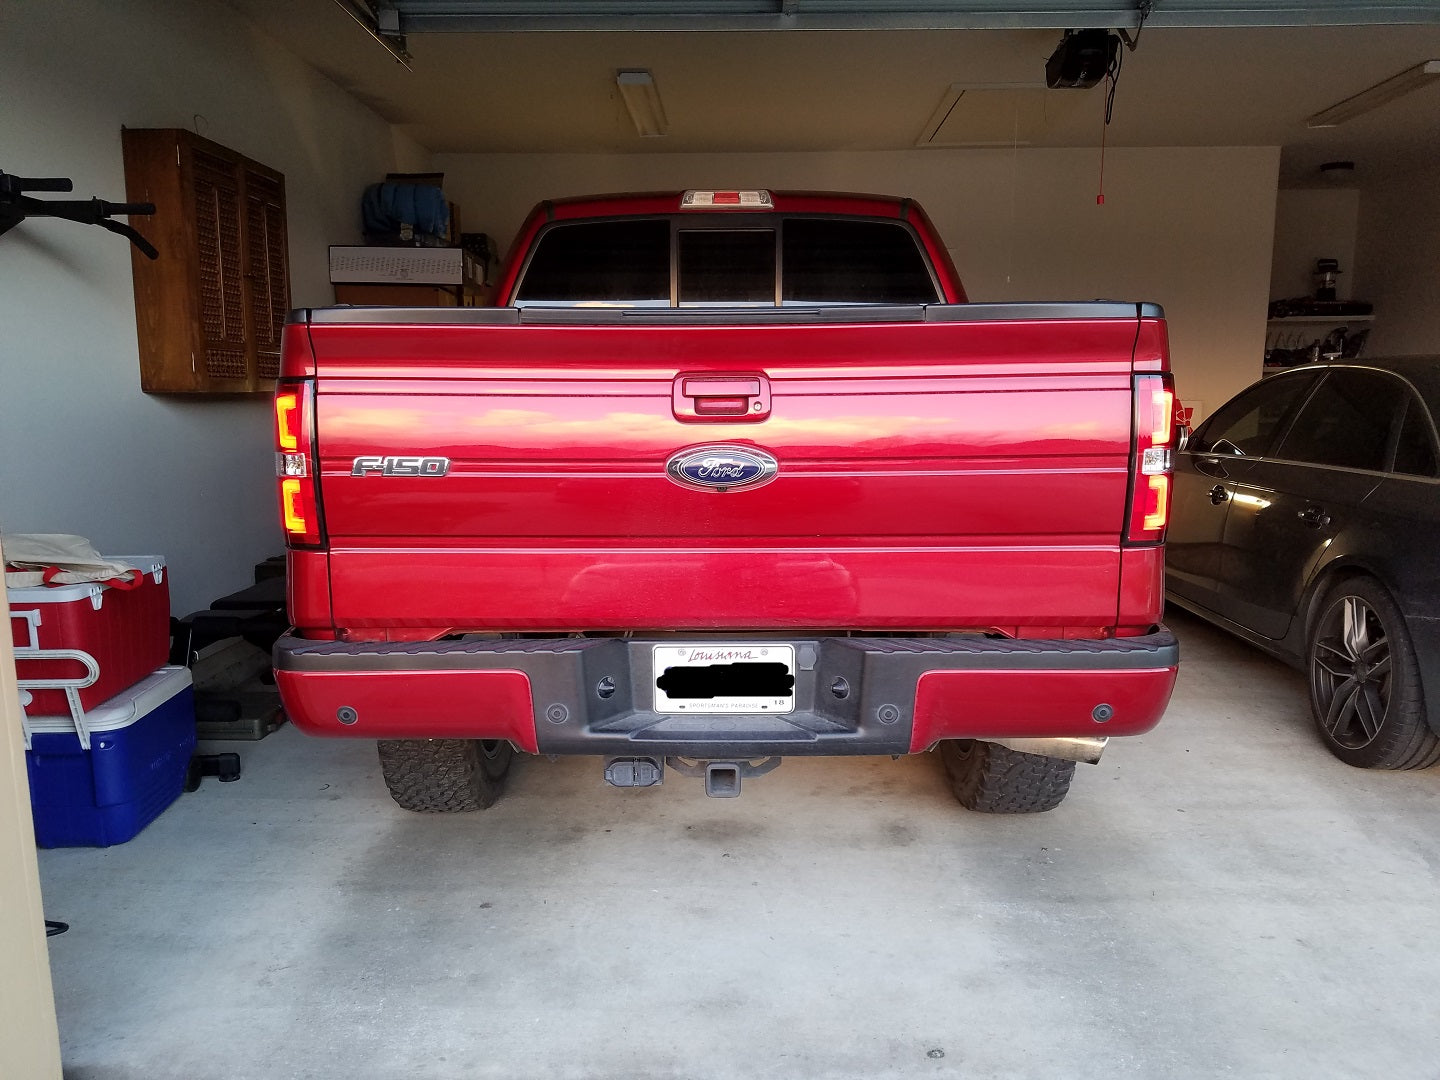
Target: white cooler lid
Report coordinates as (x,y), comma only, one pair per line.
(152,566)
(123,709)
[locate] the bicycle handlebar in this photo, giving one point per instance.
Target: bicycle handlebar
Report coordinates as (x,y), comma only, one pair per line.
(43,183)
(146,248)
(132,209)
(15,207)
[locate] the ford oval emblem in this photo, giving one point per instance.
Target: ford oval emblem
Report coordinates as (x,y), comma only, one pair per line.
(721,468)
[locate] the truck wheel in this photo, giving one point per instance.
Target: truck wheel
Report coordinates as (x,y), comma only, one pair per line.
(445,776)
(1365,689)
(996,780)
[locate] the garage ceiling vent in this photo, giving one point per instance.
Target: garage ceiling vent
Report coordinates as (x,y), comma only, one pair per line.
(1004,115)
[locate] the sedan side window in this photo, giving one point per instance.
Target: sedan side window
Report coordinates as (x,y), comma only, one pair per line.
(1348,421)
(1246,425)
(1415,453)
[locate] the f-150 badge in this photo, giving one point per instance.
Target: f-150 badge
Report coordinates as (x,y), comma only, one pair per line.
(400,466)
(721,468)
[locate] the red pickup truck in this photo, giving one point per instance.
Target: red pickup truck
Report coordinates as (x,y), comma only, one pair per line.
(725,477)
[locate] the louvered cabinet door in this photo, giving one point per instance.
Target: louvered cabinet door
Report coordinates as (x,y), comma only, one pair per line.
(267,275)
(219,273)
(210,310)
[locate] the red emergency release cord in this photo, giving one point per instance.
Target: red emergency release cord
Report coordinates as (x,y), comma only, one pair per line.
(1104,128)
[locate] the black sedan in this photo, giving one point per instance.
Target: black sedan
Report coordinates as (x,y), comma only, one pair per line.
(1306,520)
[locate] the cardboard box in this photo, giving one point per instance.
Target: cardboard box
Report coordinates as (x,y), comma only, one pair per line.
(398,265)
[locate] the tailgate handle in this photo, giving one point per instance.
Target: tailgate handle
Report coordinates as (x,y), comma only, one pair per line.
(731,398)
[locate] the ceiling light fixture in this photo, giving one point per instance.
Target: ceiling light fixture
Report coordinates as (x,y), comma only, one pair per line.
(1382,93)
(642,99)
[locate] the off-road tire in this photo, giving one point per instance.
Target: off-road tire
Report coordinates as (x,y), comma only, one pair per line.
(996,780)
(444,776)
(1368,704)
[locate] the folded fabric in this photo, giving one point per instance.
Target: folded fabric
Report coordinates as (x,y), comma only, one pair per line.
(60,559)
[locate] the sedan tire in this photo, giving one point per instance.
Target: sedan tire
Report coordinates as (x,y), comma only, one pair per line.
(1365,690)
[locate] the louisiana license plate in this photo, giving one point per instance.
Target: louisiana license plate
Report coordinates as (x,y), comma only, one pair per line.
(724,678)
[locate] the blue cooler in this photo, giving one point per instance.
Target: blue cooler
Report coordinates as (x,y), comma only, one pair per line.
(103,782)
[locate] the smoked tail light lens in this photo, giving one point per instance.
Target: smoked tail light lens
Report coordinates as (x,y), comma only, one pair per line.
(287,420)
(1156,505)
(293,509)
(1153,459)
(298,480)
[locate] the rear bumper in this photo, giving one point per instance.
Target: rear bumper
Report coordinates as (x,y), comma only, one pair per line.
(593,695)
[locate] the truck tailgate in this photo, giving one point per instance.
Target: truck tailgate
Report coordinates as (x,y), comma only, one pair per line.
(934,473)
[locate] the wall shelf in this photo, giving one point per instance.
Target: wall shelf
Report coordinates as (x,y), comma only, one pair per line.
(1333,320)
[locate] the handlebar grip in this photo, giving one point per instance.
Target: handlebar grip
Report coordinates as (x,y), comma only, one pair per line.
(138,209)
(44,183)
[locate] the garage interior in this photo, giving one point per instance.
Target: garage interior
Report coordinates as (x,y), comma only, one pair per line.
(1217,896)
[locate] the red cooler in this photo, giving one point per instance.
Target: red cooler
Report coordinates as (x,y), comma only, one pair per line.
(67,633)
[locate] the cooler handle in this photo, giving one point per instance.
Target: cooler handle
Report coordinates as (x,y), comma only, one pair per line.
(72,688)
(131,579)
(32,623)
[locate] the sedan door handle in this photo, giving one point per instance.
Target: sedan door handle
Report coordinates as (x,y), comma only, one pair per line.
(1314,516)
(1218,494)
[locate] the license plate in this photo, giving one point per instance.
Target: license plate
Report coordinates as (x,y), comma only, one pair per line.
(724,678)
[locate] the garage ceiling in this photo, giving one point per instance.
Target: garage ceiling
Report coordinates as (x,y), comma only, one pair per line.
(513,88)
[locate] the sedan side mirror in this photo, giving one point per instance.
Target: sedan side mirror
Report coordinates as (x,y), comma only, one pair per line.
(1182,437)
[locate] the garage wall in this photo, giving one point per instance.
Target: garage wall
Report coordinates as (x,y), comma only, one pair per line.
(1311,224)
(1189,228)
(83,449)
(1399,263)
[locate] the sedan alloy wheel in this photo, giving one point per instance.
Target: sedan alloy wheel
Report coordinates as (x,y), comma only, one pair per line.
(1364,683)
(1350,673)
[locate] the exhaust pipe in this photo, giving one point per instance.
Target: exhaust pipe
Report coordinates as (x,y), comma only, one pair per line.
(1077,748)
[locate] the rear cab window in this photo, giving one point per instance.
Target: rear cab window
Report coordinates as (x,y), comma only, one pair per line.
(734,259)
(623,261)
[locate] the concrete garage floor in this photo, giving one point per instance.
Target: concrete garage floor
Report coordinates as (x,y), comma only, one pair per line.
(1220,897)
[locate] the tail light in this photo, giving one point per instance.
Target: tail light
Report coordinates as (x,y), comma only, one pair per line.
(1153,459)
(296,468)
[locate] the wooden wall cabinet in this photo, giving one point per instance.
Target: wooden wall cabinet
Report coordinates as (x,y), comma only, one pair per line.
(210,310)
